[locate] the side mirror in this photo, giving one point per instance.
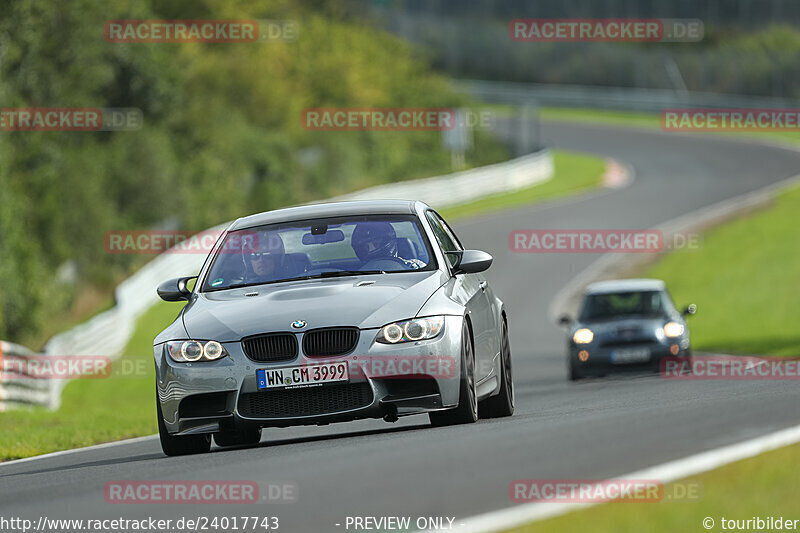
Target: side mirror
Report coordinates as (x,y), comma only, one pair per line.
(564,320)
(690,310)
(175,290)
(471,261)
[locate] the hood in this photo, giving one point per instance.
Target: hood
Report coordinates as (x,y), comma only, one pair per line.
(363,301)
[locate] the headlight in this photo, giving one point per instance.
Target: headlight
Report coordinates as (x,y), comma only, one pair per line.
(583,336)
(416,329)
(191,351)
(673,329)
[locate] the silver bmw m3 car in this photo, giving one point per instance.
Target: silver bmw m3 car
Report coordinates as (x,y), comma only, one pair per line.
(330,313)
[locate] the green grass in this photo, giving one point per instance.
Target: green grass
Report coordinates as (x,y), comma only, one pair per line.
(570,114)
(763,486)
(574,173)
(624,118)
(744,281)
(94,410)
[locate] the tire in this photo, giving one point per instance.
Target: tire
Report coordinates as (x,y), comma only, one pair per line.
(243,437)
(501,404)
(173,445)
(574,373)
(690,361)
(467,410)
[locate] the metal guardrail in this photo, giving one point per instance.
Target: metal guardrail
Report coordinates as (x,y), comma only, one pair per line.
(612,98)
(108,333)
(461,187)
(17,389)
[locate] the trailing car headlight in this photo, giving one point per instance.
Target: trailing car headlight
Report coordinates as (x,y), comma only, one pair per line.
(191,351)
(673,329)
(416,329)
(583,336)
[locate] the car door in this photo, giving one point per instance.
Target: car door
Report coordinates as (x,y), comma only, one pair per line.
(472,291)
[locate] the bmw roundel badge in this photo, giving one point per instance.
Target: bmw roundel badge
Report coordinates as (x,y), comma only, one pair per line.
(299,324)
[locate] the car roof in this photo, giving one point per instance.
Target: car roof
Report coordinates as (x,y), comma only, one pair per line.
(329,209)
(625,285)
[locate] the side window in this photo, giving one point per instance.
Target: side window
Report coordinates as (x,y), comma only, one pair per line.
(449,231)
(446,242)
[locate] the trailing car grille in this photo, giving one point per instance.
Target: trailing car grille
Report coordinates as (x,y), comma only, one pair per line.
(617,341)
(330,342)
(270,348)
(305,402)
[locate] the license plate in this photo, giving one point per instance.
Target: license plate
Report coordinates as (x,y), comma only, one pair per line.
(630,355)
(302,376)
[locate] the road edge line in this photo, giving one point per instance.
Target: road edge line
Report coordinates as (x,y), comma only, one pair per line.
(76,450)
(518,515)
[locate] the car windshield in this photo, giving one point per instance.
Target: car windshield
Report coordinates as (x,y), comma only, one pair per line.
(329,247)
(608,306)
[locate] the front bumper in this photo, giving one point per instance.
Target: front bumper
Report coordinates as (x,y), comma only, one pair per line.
(601,360)
(214,396)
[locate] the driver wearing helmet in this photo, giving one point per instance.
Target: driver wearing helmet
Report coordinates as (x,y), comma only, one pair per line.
(264,257)
(376,241)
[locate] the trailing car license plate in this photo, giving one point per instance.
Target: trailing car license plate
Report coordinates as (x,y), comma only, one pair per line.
(302,376)
(630,355)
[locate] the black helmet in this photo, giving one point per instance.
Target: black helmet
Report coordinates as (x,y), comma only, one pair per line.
(259,244)
(374,240)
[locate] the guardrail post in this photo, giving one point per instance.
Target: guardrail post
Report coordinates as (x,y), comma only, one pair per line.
(2,392)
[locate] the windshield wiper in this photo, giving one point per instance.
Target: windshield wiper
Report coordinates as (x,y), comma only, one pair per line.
(338,273)
(328,274)
(234,286)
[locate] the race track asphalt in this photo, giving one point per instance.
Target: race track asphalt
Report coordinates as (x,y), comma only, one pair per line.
(590,430)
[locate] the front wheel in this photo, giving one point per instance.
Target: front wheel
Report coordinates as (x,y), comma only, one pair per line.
(174,445)
(467,410)
(574,372)
(503,403)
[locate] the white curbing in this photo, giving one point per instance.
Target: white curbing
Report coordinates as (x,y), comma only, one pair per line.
(522,514)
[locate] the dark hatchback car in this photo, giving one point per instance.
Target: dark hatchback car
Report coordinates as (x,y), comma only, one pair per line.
(625,325)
